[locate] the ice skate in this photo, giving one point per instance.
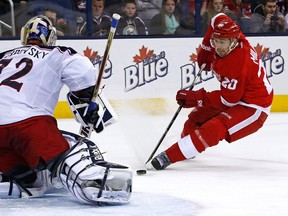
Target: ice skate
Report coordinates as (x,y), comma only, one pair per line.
(161,161)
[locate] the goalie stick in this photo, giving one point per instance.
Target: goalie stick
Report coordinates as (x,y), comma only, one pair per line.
(175,115)
(87,130)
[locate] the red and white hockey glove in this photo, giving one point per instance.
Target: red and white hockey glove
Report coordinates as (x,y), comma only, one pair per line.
(191,98)
(206,55)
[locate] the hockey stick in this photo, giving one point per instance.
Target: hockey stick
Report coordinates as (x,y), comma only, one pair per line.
(87,130)
(175,115)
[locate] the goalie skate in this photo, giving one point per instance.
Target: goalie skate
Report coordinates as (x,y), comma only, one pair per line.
(11,190)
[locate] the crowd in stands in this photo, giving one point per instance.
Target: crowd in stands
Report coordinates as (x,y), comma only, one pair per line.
(148,17)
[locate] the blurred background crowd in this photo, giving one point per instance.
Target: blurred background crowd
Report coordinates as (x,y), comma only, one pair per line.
(92,18)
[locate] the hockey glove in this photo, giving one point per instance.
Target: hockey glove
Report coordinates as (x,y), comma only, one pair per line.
(206,55)
(92,117)
(84,114)
(191,98)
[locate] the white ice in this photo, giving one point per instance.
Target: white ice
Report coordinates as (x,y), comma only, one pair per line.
(246,178)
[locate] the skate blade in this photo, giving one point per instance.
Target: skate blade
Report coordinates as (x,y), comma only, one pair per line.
(115,197)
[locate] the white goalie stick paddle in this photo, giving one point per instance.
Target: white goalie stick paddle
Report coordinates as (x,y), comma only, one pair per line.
(87,130)
(175,115)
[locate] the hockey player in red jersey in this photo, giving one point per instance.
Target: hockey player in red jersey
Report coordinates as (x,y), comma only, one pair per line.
(35,155)
(237,110)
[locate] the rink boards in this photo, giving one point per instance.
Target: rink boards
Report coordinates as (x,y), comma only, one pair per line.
(146,73)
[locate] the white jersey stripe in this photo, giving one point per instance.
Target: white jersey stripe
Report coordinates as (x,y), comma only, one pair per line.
(263,109)
(187,147)
(245,123)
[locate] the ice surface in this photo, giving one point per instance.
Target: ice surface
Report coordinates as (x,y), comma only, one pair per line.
(246,178)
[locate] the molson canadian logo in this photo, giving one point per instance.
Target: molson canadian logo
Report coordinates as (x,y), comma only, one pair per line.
(96,61)
(149,67)
(273,62)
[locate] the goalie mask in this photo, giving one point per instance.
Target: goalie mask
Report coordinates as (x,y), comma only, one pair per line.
(39,28)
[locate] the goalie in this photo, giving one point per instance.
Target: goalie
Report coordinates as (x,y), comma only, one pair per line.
(35,156)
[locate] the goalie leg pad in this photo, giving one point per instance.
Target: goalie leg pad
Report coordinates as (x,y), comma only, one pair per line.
(89,178)
(11,189)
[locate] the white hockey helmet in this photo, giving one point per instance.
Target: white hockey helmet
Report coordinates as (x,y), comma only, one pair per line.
(39,28)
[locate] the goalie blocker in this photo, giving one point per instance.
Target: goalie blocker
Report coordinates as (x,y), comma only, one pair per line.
(82,170)
(97,119)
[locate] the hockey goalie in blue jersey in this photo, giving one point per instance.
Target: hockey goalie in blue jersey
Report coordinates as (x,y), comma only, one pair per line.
(35,156)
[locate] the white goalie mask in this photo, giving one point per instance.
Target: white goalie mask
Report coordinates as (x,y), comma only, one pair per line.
(39,28)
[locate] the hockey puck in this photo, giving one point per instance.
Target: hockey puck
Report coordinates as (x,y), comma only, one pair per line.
(141,172)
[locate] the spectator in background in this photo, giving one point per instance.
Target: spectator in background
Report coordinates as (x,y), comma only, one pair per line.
(167,21)
(267,18)
(52,15)
(130,23)
(282,6)
(80,13)
(101,20)
(286,23)
(147,9)
(255,4)
(79,5)
(242,12)
(5,16)
(239,8)
(5,5)
(65,13)
(113,6)
(187,14)
(215,7)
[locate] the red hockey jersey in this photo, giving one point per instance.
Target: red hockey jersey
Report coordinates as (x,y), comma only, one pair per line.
(242,76)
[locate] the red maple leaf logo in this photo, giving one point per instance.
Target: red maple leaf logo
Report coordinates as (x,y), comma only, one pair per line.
(144,53)
(90,54)
(194,56)
(260,50)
